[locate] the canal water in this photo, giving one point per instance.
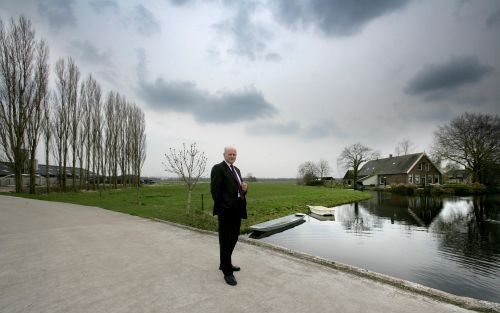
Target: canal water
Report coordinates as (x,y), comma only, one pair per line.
(447,243)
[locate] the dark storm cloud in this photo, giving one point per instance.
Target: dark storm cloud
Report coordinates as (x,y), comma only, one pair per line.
(183,96)
(333,17)
(273,57)
(145,21)
(316,132)
(270,128)
(227,107)
(288,129)
(90,54)
(58,12)
(224,107)
(435,80)
(172,96)
(493,21)
(181,2)
(250,39)
(100,6)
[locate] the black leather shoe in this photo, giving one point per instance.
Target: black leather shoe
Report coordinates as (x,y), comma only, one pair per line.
(234,268)
(230,280)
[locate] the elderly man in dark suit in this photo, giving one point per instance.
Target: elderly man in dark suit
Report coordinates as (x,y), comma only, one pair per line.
(228,191)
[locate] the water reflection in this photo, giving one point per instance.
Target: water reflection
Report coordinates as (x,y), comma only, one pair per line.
(469,228)
(448,243)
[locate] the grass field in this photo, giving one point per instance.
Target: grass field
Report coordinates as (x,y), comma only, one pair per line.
(168,202)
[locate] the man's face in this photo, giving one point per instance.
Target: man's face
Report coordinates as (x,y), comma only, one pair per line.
(230,155)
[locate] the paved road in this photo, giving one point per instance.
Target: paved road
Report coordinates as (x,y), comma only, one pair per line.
(58,257)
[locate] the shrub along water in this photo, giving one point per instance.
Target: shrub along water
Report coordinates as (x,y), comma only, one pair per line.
(466,189)
(456,189)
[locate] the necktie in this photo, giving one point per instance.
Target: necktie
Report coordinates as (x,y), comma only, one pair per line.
(235,175)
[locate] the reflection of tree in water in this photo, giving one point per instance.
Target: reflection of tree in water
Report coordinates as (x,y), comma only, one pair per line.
(358,220)
(471,229)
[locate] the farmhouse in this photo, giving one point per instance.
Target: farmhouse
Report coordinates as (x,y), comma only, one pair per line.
(414,168)
(458,176)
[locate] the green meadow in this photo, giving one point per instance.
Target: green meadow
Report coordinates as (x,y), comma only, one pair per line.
(168,202)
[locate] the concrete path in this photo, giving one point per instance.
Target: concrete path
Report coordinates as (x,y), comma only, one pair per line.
(57,257)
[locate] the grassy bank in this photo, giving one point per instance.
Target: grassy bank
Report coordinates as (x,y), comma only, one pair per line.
(168,202)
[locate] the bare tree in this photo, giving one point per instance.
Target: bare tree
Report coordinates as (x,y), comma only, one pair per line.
(65,131)
(353,156)
(308,172)
(88,101)
(83,132)
(189,164)
(404,147)
(137,144)
(75,116)
(323,168)
(47,136)
(97,135)
(112,112)
(17,91)
(39,104)
(124,151)
(3,157)
(61,120)
(472,140)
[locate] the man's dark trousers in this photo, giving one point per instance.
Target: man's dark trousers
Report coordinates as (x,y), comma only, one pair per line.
(229,230)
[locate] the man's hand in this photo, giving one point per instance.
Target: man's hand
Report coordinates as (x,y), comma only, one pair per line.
(244,186)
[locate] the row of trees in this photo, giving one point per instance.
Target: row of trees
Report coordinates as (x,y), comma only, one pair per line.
(104,137)
(309,172)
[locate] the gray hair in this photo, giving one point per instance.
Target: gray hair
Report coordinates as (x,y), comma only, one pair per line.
(229,148)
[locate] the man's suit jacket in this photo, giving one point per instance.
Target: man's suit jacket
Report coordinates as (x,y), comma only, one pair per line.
(224,189)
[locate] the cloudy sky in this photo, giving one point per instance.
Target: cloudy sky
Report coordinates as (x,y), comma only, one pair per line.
(285,81)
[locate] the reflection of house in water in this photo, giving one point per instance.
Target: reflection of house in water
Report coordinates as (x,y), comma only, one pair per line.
(415,210)
(424,208)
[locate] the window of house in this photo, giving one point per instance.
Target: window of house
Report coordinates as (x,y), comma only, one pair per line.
(436,179)
(429,179)
(417,179)
(420,166)
(427,166)
(410,179)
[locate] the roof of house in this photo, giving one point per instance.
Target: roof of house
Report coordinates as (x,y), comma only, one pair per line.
(349,174)
(459,173)
(52,170)
(391,165)
(6,169)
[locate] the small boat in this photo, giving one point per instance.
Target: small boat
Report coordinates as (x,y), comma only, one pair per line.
(279,223)
(330,218)
(321,210)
